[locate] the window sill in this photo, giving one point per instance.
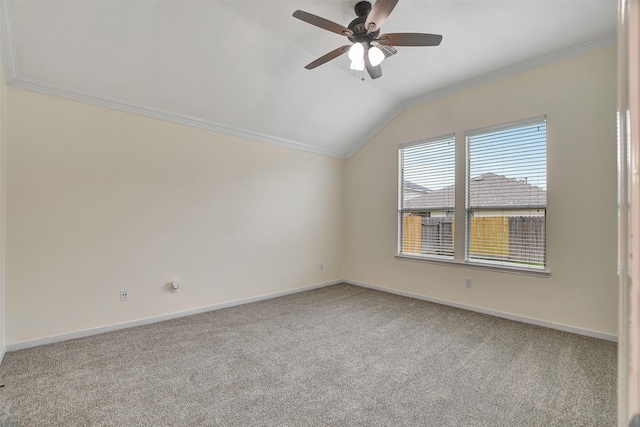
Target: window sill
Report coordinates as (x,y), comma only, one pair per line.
(477,266)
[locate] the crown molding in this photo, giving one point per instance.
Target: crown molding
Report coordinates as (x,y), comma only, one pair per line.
(513,70)
(373,131)
(10,68)
(156,113)
(504,73)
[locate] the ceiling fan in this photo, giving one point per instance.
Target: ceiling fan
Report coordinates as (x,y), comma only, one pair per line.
(363,32)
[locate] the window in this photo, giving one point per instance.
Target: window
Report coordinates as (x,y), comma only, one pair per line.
(506,194)
(426,198)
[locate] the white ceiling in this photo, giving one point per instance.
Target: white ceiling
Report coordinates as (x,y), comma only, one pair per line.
(237,66)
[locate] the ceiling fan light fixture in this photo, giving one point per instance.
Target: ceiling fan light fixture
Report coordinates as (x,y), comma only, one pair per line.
(375,56)
(358,64)
(356,53)
(368,48)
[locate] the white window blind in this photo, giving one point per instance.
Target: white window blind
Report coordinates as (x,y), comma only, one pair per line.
(426,198)
(506,193)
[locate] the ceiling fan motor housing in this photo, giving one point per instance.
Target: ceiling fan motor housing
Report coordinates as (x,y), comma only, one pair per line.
(362,9)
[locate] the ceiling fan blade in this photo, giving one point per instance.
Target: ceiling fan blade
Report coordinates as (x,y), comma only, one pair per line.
(379,14)
(410,39)
(374,71)
(322,23)
(328,57)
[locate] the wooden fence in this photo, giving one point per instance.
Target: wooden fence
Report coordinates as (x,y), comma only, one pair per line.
(516,238)
(412,234)
(527,235)
(489,237)
(425,235)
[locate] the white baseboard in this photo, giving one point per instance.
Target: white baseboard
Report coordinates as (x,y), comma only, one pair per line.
(95,331)
(517,318)
(3,351)
(149,320)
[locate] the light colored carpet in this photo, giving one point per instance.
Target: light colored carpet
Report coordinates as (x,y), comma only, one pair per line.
(336,356)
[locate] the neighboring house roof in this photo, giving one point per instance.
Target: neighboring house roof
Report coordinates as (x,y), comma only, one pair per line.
(417,187)
(486,190)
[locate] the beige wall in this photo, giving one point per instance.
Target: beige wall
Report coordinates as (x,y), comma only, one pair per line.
(100,200)
(3,144)
(579,98)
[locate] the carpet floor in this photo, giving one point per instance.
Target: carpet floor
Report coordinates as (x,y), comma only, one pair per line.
(336,356)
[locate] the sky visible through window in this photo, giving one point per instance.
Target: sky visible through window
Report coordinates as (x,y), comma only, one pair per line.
(431,165)
(517,153)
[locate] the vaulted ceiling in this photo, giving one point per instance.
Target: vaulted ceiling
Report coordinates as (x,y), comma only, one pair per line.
(238,66)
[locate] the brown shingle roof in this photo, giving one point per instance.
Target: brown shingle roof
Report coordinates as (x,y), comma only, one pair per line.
(486,190)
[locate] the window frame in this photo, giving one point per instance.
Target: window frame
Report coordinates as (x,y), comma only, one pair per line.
(468,209)
(401,209)
(460,254)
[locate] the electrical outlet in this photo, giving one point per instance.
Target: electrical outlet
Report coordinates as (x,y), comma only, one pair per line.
(467,282)
(321,267)
(124,295)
